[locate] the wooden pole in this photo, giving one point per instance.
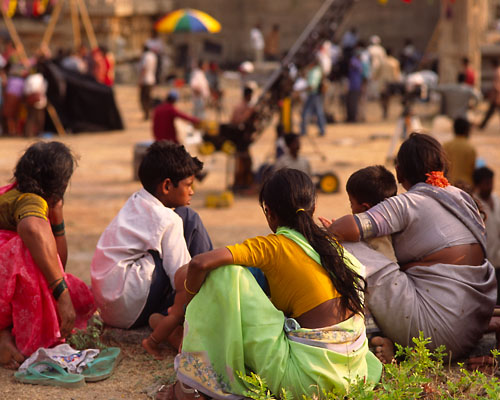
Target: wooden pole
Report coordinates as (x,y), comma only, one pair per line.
(14,36)
(87,24)
(55,119)
(75,22)
(52,24)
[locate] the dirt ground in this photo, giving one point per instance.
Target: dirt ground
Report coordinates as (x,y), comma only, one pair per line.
(103,182)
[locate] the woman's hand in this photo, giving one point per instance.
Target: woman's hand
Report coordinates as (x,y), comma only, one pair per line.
(66,313)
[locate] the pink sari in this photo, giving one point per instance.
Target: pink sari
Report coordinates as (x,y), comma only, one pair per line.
(26,303)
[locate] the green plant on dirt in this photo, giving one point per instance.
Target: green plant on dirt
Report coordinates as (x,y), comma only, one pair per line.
(89,338)
(420,374)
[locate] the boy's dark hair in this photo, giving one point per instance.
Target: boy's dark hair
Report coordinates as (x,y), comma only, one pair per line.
(291,195)
(45,169)
(419,155)
(482,174)
(164,160)
(461,127)
(372,185)
(461,77)
(290,138)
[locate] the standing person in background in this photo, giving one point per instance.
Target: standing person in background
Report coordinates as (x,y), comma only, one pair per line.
(366,63)
(109,66)
(350,39)
(257,42)
(390,79)
(494,94)
(200,88)
(377,58)
(99,65)
(458,98)
(461,154)
(314,101)
(490,203)
(355,78)
(156,45)
(272,44)
(147,79)
(35,95)
(409,57)
(13,95)
(468,71)
(164,119)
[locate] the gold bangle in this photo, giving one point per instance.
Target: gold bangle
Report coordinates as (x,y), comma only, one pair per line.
(187,290)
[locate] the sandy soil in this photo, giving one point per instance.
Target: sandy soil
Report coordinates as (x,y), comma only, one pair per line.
(103,182)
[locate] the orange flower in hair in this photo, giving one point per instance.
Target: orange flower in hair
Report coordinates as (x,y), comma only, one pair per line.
(437,178)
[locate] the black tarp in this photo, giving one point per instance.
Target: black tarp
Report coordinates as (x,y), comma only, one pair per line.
(83,104)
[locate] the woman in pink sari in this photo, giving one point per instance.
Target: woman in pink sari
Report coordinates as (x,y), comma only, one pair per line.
(39,303)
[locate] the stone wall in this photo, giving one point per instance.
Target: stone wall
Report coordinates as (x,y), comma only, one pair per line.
(393,22)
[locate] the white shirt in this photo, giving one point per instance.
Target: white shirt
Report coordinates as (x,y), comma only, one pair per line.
(257,39)
(149,61)
(36,83)
(199,83)
(122,268)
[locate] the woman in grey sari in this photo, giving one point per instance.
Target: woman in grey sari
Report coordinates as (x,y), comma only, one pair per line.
(443,284)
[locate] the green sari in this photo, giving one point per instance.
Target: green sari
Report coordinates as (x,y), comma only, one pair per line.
(232,327)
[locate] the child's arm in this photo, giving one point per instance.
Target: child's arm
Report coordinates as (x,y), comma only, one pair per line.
(200,265)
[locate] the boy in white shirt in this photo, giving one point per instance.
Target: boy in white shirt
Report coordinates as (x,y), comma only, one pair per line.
(138,254)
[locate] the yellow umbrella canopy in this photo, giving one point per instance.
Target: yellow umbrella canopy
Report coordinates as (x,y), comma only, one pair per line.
(187,20)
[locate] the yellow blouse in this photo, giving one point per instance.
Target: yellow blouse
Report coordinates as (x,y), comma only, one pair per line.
(297,283)
(15,205)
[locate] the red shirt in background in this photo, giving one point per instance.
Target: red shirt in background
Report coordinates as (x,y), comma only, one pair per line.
(470,76)
(163,122)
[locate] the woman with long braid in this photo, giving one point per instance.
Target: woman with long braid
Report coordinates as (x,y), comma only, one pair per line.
(309,336)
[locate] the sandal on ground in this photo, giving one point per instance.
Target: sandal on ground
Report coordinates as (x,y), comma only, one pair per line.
(102,367)
(54,376)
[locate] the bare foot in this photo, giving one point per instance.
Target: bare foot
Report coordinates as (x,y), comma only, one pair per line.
(384,349)
(152,348)
(10,357)
(155,319)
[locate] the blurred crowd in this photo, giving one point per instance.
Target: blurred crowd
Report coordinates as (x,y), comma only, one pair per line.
(23,87)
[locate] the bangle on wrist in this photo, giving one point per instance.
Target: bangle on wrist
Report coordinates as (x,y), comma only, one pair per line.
(60,233)
(58,228)
(187,290)
(59,289)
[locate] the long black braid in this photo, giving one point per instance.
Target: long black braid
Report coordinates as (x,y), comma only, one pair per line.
(291,195)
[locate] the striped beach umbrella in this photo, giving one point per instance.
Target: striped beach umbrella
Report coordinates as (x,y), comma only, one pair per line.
(187,20)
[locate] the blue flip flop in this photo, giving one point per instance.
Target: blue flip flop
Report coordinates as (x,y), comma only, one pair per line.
(54,376)
(102,367)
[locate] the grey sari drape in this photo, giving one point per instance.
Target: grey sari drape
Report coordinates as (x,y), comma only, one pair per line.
(451,304)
